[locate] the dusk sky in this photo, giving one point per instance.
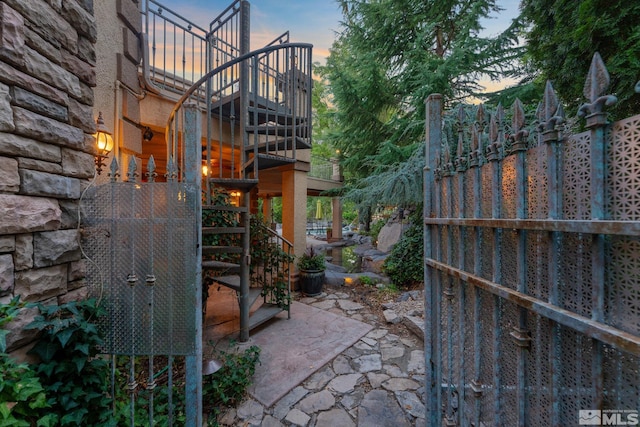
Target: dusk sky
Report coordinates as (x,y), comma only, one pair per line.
(309,21)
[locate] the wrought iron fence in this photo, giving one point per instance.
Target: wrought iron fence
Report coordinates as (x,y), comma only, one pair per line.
(140,239)
(532,266)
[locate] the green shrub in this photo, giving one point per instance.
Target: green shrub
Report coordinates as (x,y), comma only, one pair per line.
(74,378)
(229,384)
(404,265)
(22,397)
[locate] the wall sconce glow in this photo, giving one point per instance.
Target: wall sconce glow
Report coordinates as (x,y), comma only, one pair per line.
(235,198)
(104,142)
(205,170)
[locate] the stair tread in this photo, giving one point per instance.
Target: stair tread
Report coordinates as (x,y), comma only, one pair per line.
(268,161)
(208,250)
(280,144)
(264,313)
(223,230)
(254,294)
(224,208)
(213,264)
(232,281)
(235,183)
(272,130)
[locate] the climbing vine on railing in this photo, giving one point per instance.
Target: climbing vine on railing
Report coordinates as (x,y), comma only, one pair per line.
(271,260)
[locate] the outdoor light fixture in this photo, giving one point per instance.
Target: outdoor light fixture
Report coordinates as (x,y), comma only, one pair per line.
(147,135)
(104,142)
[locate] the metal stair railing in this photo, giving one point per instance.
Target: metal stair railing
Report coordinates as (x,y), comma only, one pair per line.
(175,52)
(276,117)
(271,265)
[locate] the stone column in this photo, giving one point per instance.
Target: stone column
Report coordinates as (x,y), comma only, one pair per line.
(294,209)
(336,205)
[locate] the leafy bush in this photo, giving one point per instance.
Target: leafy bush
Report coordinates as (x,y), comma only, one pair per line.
(74,378)
(229,384)
(311,260)
(22,397)
(404,265)
(375,229)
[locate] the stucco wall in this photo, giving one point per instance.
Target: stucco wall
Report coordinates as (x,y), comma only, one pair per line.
(47,80)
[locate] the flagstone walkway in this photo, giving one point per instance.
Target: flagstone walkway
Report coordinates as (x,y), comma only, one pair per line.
(377,382)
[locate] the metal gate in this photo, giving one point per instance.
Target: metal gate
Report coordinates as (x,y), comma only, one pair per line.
(532,266)
(141,241)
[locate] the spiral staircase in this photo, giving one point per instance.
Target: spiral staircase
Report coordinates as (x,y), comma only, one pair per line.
(256,115)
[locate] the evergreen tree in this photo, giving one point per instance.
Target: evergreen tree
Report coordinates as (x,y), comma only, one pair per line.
(389,56)
(563,35)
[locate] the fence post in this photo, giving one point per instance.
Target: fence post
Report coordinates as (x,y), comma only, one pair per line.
(475,162)
(192,176)
(551,118)
(461,168)
(597,83)
(494,156)
(433,376)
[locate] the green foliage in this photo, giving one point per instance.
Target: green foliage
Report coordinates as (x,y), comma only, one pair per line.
(22,397)
(144,398)
(221,218)
(270,264)
(563,35)
(8,312)
(366,280)
(404,265)
(229,384)
(311,260)
(390,55)
(74,378)
(375,229)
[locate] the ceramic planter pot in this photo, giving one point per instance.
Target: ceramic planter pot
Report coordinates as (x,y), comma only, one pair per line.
(311,282)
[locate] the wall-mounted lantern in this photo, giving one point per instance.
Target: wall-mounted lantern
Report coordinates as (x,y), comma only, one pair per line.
(104,143)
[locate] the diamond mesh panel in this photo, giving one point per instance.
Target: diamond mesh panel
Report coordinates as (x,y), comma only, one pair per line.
(455,246)
(538,187)
(469,242)
(575,274)
(455,195)
(538,264)
(487,190)
(486,253)
(469,350)
(623,298)
(469,199)
(446,322)
(576,389)
(621,378)
(456,353)
(508,362)
(576,192)
(445,197)
(623,180)
(509,187)
(488,361)
(140,239)
(509,262)
(538,373)
(445,243)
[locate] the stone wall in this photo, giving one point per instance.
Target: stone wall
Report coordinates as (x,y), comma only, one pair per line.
(47,76)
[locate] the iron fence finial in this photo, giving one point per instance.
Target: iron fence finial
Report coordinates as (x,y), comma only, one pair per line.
(114,170)
(132,167)
(594,88)
(151,169)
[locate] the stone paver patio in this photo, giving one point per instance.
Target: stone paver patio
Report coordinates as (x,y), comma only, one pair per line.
(378,381)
